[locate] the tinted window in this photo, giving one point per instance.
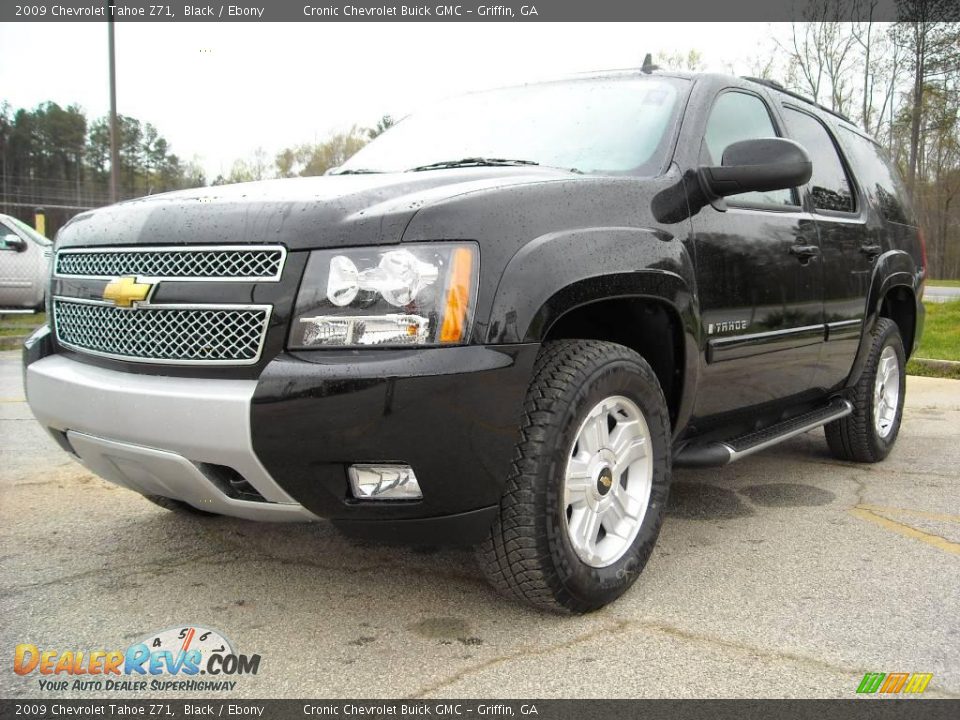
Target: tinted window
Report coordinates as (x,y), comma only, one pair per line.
(879,178)
(610,125)
(738,116)
(829,184)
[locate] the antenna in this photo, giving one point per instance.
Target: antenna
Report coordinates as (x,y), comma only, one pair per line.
(648,66)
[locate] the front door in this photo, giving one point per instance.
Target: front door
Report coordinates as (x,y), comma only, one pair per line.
(758,278)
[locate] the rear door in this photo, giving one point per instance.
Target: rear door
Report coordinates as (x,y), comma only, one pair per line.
(758,277)
(848,248)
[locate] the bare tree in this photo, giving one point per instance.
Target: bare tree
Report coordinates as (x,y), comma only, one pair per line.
(882,64)
(822,50)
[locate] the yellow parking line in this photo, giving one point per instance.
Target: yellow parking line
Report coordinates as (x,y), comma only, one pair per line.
(936,541)
(12,400)
(942,517)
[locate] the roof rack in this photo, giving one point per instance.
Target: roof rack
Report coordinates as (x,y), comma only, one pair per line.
(779,86)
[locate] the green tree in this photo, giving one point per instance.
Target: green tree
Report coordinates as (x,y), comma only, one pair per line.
(98,147)
(691,61)
(52,155)
(383,124)
(932,52)
(286,163)
(315,159)
(132,153)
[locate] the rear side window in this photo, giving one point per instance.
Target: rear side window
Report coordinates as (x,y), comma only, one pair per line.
(879,178)
(740,116)
(829,184)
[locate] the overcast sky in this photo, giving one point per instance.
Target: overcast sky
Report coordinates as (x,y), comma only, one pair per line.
(217,92)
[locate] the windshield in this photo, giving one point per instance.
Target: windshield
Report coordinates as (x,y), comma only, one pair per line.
(27,230)
(609,125)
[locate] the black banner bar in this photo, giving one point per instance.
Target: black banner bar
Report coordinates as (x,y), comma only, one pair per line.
(160,709)
(469,11)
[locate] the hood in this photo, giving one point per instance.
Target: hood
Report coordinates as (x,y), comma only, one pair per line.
(301,213)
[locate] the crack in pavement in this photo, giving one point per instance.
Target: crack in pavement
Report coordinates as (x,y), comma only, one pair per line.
(390,564)
(871,469)
(238,555)
(258,553)
(516,654)
(654,627)
(37,483)
(75,577)
(782,655)
(875,514)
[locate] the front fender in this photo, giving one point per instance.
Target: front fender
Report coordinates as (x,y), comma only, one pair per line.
(561,271)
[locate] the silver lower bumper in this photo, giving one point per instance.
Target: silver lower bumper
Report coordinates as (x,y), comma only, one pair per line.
(154,434)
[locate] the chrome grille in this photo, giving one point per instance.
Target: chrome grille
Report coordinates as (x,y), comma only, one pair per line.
(182,334)
(174,263)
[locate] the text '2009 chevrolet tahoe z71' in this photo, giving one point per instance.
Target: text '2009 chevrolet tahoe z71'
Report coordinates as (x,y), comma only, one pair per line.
(501,322)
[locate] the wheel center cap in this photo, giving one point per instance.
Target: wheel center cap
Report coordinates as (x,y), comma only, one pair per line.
(604,481)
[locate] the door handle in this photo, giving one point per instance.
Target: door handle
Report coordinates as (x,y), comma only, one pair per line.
(804,252)
(871,251)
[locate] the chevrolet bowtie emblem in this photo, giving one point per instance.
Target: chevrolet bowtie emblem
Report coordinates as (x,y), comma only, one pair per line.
(125,291)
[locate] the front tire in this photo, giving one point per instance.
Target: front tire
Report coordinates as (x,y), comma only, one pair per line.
(583,506)
(868,434)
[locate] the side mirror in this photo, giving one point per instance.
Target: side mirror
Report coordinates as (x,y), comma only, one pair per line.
(13,243)
(758,165)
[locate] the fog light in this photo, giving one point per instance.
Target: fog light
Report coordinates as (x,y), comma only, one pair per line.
(384,482)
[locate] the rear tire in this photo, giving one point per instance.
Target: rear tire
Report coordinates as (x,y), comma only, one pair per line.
(583,505)
(178,506)
(868,434)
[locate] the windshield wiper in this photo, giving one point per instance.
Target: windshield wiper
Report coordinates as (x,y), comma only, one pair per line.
(473,162)
(358,171)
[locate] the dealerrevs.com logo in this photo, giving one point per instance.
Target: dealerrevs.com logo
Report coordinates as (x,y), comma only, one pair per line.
(190,658)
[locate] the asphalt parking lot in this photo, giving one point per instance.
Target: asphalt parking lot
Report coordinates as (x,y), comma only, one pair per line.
(785,575)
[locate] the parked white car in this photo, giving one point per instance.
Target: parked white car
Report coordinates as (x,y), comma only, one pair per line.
(24,264)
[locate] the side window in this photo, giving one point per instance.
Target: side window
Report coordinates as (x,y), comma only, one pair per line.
(829,183)
(740,116)
(880,179)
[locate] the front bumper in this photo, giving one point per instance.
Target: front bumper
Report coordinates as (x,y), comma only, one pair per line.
(450,413)
(159,435)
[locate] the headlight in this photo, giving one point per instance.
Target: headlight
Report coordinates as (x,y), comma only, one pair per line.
(409,295)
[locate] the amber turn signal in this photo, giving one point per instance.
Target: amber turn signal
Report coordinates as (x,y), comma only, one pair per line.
(458,297)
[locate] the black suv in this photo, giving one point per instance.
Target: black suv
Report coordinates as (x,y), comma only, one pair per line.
(501,322)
